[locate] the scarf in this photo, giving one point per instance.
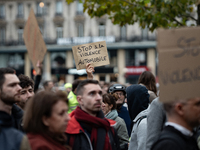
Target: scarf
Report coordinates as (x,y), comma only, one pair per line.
(98,127)
(112,114)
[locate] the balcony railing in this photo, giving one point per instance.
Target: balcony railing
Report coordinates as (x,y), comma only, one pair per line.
(54,41)
(20,16)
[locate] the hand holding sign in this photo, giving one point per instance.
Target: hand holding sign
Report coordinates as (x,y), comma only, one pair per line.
(89,70)
(94,53)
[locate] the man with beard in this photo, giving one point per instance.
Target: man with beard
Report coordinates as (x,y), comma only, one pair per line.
(88,128)
(10,138)
(120,90)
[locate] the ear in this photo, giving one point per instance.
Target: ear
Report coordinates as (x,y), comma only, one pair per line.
(79,99)
(179,108)
(45,121)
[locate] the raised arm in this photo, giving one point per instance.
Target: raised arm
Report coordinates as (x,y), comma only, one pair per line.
(38,75)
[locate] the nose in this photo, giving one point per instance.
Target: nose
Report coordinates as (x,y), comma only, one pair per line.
(103,104)
(29,94)
(18,87)
(67,118)
(99,96)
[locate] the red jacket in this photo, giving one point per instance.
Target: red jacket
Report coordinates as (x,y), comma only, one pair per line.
(74,127)
(79,140)
(39,142)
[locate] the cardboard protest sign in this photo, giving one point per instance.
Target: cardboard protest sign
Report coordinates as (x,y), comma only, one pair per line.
(179,63)
(94,53)
(34,41)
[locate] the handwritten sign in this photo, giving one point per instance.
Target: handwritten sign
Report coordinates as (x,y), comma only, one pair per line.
(34,41)
(94,53)
(179,63)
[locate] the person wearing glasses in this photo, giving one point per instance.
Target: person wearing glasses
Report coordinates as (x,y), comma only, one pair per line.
(120,90)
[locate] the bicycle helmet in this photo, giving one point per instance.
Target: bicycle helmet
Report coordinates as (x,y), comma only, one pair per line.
(117,87)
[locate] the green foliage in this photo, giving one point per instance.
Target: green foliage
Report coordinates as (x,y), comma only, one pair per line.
(150,13)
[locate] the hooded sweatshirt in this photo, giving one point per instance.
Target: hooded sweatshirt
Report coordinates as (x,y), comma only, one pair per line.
(138,101)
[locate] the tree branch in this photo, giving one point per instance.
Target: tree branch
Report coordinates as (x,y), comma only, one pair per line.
(174,19)
(188,16)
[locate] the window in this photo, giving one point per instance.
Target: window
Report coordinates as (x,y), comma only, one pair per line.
(58,7)
(20,35)
(2,11)
(113,58)
(136,57)
(123,33)
(59,32)
(40,8)
(20,13)
(2,35)
(79,8)
(102,29)
(58,59)
(145,33)
(80,29)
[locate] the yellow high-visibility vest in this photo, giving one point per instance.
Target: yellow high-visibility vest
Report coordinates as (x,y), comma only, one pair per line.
(72,103)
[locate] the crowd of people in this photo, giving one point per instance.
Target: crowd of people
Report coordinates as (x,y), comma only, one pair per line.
(93,115)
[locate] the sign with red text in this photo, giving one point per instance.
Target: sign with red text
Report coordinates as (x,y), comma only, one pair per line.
(34,41)
(179,63)
(94,53)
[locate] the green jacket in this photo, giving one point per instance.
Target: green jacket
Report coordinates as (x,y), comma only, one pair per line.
(73,103)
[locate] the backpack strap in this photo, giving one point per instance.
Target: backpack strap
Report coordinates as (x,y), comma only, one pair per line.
(113,139)
(140,119)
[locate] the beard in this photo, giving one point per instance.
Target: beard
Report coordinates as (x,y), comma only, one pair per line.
(8,99)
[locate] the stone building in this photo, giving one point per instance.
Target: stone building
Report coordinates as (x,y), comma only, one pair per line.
(131,49)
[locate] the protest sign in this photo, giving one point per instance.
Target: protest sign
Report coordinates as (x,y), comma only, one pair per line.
(34,41)
(94,53)
(179,63)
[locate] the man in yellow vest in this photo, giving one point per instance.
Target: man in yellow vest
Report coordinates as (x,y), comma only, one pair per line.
(72,101)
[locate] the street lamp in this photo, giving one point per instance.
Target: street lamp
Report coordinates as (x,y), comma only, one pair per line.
(41,4)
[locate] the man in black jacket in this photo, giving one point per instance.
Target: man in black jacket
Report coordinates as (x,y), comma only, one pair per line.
(183,116)
(88,129)
(10,138)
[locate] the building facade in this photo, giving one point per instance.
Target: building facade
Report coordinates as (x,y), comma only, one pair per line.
(131,49)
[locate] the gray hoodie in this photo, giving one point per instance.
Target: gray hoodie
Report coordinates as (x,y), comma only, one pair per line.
(139,132)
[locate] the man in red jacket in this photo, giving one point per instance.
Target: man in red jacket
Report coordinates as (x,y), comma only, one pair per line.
(88,128)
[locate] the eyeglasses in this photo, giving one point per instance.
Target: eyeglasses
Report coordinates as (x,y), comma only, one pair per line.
(119,94)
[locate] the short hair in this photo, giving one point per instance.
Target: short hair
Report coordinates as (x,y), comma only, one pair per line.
(75,84)
(25,81)
(39,106)
(81,85)
(110,100)
(148,79)
(45,84)
(4,71)
(168,107)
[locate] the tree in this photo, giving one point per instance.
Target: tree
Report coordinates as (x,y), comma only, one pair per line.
(148,13)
